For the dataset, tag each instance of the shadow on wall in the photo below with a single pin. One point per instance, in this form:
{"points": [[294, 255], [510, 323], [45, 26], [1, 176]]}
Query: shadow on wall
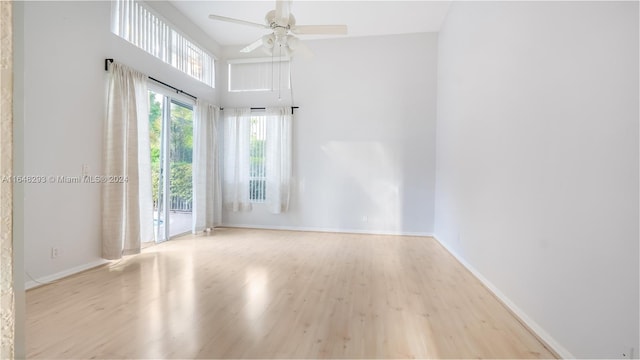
{"points": [[372, 180]]}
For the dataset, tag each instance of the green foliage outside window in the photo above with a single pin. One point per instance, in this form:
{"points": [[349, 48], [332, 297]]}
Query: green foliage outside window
{"points": [[180, 149]]}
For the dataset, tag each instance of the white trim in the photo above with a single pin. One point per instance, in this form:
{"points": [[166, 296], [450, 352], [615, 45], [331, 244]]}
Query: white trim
{"points": [[329, 230], [62, 274], [522, 316]]}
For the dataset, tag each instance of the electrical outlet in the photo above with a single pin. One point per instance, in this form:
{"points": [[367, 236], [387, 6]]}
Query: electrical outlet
{"points": [[54, 252], [628, 354], [365, 218]]}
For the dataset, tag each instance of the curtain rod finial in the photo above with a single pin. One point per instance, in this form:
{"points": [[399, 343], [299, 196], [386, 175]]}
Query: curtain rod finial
{"points": [[106, 64]]}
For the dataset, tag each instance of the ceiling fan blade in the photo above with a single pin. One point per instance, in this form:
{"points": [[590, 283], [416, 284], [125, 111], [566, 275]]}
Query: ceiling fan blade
{"points": [[237, 21], [283, 10], [319, 29], [254, 45]]}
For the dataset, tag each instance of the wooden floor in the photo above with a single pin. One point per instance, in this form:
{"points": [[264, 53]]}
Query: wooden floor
{"points": [[277, 294]]}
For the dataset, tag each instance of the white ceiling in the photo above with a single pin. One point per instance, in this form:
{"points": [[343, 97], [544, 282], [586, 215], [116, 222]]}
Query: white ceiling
{"points": [[364, 18]]}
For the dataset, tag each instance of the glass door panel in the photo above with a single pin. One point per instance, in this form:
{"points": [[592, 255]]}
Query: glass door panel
{"points": [[171, 141], [181, 168], [156, 140]]}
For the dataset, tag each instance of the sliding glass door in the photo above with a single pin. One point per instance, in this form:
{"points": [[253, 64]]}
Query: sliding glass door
{"points": [[171, 138]]}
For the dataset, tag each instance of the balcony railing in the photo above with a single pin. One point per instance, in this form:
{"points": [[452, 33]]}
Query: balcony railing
{"points": [[177, 203]]}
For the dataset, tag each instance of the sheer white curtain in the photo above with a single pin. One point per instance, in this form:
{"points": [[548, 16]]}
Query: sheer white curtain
{"points": [[237, 125], [207, 201], [127, 207], [278, 158]]}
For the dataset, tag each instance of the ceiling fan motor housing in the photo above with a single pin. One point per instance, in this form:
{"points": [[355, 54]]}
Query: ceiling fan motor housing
{"points": [[272, 21]]}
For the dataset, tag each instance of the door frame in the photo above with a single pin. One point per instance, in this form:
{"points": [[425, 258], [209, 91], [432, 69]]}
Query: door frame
{"points": [[164, 194]]}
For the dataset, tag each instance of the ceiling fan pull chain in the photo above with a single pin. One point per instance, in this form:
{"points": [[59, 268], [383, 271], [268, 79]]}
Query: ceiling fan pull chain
{"points": [[272, 70], [280, 72]]}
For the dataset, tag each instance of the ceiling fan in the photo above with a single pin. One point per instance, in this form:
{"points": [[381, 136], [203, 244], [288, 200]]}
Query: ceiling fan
{"points": [[283, 25]]}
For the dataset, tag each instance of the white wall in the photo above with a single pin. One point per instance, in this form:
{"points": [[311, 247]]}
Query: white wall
{"points": [[364, 136], [537, 163], [64, 83]]}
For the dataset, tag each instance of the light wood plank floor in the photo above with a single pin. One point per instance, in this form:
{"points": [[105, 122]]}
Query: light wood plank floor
{"points": [[277, 294]]}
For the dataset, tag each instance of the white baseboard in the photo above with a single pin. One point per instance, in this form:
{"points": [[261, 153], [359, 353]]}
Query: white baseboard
{"points": [[523, 317], [59, 275], [329, 230]]}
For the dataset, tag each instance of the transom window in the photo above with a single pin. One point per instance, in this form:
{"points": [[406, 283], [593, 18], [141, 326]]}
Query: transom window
{"points": [[259, 74], [136, 23]]}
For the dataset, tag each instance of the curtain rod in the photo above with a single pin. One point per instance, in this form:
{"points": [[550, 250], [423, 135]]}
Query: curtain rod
{"points": [[261, 108], [106, 68]]}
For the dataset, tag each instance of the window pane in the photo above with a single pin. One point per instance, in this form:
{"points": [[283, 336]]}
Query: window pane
{"points": [[181, 168]]}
